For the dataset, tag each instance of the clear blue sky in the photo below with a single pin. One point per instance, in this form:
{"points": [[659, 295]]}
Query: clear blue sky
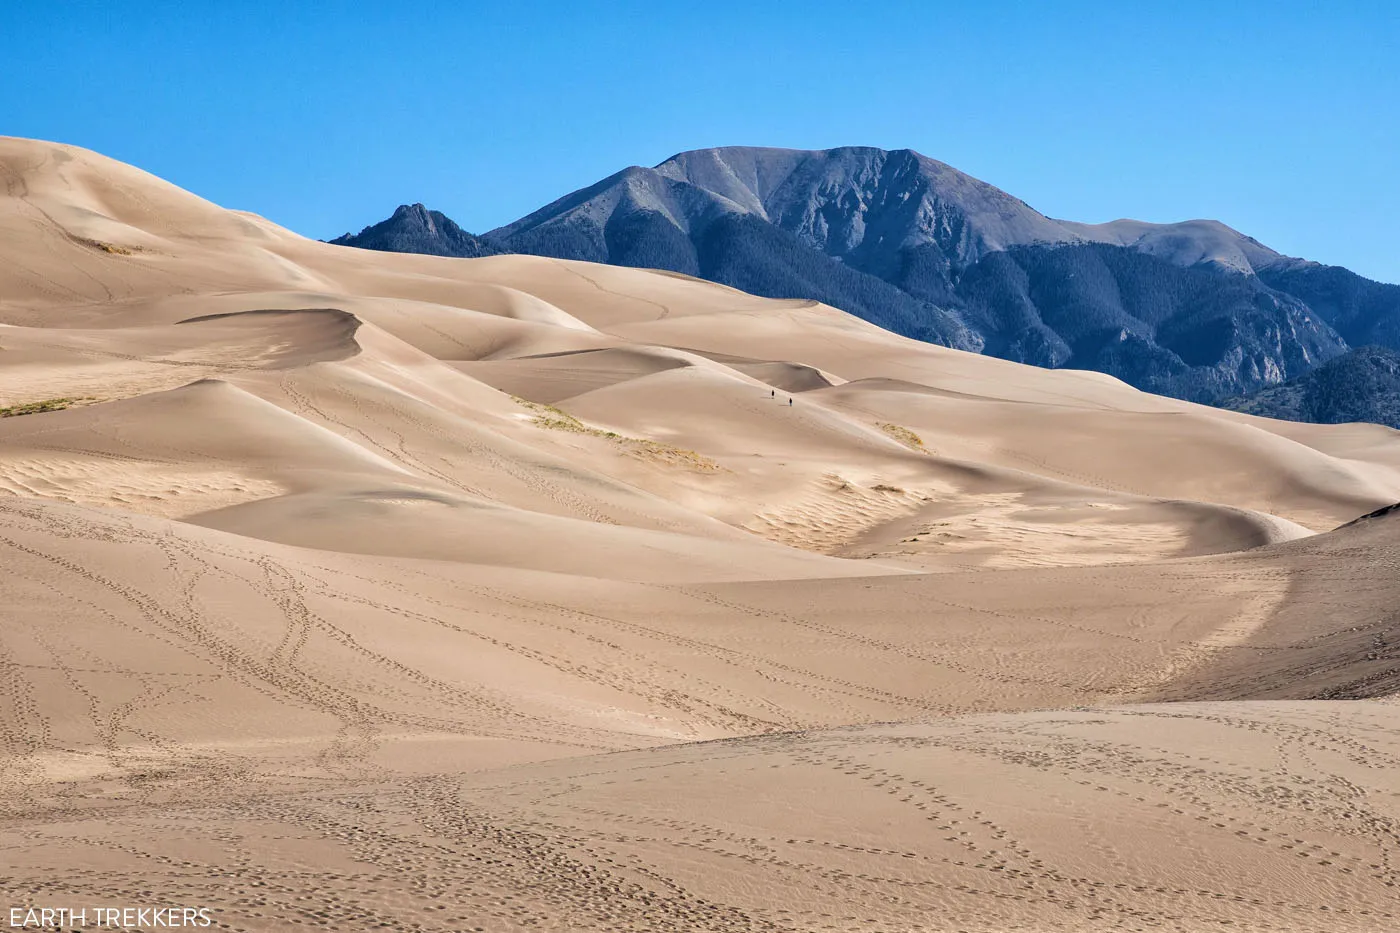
{"points": [[1280, 118]]}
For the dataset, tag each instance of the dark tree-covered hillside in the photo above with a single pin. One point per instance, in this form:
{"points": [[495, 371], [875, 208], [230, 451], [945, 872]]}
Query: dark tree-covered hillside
{"points": [[1363, 385], [1362, 311], [415, 229], [746, 253], [1195, 332]]}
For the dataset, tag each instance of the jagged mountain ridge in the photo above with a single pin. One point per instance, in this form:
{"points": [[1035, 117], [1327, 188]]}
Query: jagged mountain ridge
{"points": [[858, 203], [854, 203], [1196, 309]]}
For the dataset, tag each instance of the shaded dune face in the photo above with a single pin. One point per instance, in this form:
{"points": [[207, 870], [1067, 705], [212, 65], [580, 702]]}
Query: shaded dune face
{"points": [[367, 589]]}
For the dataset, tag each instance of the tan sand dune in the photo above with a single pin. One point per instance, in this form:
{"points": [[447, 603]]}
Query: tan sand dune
{"points": [[1185, 454], [116, 363], [813, 477], [775, 653], [785, 375], [1217, 823], [355, 590], [205, 445], [552, 377], [402, 521], [1345, 652]]}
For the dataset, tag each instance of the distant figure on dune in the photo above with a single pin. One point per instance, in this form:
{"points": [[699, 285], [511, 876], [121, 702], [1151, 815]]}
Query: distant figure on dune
{"points": [[773, 393], [789, 402]]}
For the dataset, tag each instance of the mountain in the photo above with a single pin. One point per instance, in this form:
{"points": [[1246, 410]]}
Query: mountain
{"points": [[888, 213], [1194, 332], [860, 205], [415, 229], [1362, 311], [1196, 310], [1363, 385]]}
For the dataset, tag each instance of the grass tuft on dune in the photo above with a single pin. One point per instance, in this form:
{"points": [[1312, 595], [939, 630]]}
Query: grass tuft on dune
{"points": [[905, 436], [36, 408], [556, 419]]}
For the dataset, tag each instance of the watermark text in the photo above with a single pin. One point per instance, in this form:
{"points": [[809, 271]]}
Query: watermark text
{"points": [[111, 918]]}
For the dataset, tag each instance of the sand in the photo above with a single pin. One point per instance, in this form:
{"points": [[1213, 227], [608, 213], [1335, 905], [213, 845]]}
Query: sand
{"points": [[354, 590]]}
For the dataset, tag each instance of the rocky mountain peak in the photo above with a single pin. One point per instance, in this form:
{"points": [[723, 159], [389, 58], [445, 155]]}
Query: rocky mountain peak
{"points": [[418, 215], [413, 228]]}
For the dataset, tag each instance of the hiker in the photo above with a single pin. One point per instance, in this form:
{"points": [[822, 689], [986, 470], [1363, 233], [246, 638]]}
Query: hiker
{"points": [[789, 402], [773, 393]]}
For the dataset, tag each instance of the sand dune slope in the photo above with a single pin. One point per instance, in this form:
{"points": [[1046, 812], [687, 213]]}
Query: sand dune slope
{"points": [[333, 702], [356, 590], [1238, 816], [1336, 635]]}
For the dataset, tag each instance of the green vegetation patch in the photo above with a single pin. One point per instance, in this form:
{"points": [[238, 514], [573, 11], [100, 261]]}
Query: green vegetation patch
{"points": [[48, 404], [666, 453], [35, 408], [556, 419], [905, 436]]}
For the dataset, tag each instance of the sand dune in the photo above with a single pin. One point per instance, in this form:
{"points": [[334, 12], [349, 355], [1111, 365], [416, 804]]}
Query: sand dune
{"points": [[362, 590], [552, 377], [1249, 816]]}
